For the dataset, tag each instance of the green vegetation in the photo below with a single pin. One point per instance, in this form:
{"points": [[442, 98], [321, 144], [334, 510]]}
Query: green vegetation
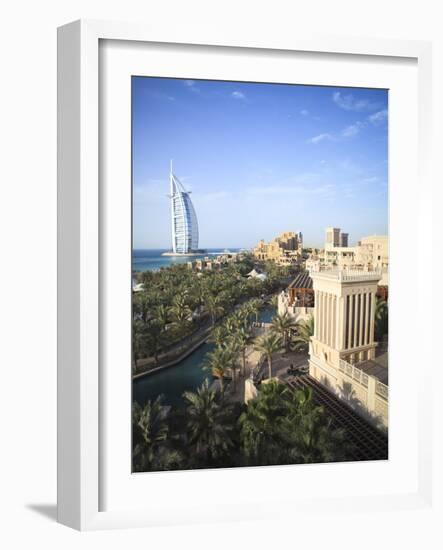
{"points": [[177, 303], [268, 344], [283, 325], [279, 426], [208, 427], [305, 329], [153, 449], [231, 337], [212, 428], [381, 319]]}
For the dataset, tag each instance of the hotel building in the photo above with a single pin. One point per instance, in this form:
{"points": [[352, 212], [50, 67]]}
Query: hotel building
{"points": [[183, 218]]}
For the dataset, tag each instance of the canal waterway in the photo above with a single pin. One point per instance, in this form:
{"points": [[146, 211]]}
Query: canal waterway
{"points": [[185, 376]]}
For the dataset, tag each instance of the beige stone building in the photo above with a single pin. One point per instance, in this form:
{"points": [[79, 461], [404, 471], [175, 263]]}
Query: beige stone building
{"points": [[286, 249], [370, 253], [373, 252], [343, 354]]}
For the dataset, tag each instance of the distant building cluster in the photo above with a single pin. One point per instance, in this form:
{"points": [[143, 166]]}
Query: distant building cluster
{"points": [[371, 253], [217, 262], [286, 249]]}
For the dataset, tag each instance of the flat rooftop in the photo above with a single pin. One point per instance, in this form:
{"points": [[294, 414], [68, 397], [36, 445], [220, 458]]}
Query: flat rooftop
{"points": [[377, 367]]}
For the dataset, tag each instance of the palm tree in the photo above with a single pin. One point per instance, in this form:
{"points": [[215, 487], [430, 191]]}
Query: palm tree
{"points": [[218, 335], [307, 431], [260, 425], [255, 307], [282, 324], [305, 329], [243, 338], [207, 426], [214, 307], [268, 344], [381, 318], [243, 314], [150, 433], [153, 338], [232, 350], [232, 324], [161, 315], [197, 297], [180, 312], [141, 305], [217, 363], [283, 426], [138, 341], [274, 301]]}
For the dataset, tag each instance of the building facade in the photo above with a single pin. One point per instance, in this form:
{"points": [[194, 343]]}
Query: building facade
{"points": [[371, 253], [332, 237], [286, 249], [344, 239], [183, 219], [343, 354]]}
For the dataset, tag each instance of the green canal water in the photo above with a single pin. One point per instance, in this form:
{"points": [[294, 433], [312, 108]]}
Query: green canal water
{"points": [[186, 375]]}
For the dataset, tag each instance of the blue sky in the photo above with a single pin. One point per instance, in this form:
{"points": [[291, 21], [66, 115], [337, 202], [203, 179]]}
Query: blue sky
{"points": [[259, 159]]}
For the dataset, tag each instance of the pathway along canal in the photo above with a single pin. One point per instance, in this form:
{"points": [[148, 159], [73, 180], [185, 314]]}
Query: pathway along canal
{"points": [[186, 375]]}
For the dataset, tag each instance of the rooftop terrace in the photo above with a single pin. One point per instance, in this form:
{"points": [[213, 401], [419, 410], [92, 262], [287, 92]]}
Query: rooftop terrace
{"points": [[347, 275]]}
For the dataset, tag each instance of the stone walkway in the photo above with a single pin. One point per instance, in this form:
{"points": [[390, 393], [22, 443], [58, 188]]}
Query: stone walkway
{"points": [[280, 364]]}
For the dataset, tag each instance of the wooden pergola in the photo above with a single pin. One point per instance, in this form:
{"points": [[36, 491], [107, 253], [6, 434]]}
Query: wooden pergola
{"points": [[300, 291]]}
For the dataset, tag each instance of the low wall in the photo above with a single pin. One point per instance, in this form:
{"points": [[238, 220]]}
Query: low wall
{"points": [[365, 394]]}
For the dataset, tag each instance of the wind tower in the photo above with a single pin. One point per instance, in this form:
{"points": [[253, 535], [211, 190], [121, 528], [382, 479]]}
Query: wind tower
{"points": [[342, 351]]}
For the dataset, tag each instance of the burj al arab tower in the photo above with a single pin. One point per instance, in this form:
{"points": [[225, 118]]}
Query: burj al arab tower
{"points": [[184, 219]]}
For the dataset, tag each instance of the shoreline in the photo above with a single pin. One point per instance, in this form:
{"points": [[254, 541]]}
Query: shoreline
{"points": [[189, 254], [173, 362]]}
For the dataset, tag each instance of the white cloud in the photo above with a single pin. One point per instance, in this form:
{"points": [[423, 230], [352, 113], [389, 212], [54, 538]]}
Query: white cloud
{"points": [[350, 131], [190, 84], [238, 95], [349, 103], [379, 117], [304, 112], [369, 180], [325, 190], [353, 129], [319, 138]]}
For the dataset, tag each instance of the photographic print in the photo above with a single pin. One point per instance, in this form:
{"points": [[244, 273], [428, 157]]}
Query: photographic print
{"points": [[260, 263]]}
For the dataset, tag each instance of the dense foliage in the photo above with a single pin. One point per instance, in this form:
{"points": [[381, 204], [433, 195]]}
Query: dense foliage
{"points": [[279, 426], [177, 302], [381, 319]]}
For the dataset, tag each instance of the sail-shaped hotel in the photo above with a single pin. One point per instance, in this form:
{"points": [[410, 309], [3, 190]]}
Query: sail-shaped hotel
{"points": [[183, 219]]}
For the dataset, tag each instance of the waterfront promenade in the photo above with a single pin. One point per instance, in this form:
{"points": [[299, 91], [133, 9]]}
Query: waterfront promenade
{"points": [[280, 364]]}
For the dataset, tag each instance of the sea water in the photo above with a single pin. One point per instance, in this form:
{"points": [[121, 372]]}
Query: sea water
{"points": [[152, 259]]}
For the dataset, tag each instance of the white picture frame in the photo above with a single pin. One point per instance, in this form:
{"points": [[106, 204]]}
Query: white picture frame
{"points": [[80, 411]]}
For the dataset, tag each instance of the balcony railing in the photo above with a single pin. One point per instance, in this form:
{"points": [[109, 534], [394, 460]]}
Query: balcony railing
{"points": [[347, 275], [381, 390], [354, 372]]}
